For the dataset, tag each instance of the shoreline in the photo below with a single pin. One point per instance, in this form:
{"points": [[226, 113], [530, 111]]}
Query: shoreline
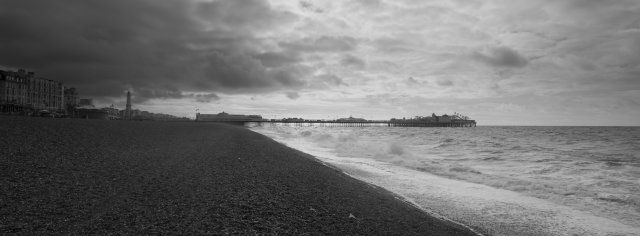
{"points": [[396, 195], [383, 190], [89, 176], [489, 210]]}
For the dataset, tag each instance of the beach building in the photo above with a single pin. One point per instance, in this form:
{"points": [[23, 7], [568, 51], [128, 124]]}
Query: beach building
{"points": [[21, 91]]}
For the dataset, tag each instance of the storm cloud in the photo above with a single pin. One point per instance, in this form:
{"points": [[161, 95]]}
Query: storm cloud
{"points": [[326, 57], [353, 62], [322, 44], [500, 57], [293, 95], [159, 48]]}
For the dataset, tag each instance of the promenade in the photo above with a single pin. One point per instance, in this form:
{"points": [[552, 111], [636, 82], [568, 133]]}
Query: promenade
{"points": [[71, 176]]}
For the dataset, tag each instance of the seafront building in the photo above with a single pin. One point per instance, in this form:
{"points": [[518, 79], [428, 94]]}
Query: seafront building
{"points": [[22, 91], [71, 100], [86, 102]]}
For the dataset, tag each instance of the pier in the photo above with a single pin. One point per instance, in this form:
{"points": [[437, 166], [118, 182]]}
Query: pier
{"points": [[455, 120], [335, 123], [365, 123]]}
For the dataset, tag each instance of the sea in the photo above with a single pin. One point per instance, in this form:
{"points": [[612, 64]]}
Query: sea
{"points": [[493, 180]]}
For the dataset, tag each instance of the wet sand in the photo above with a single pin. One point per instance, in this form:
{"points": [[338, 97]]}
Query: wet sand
{"points": [[61, 176]]}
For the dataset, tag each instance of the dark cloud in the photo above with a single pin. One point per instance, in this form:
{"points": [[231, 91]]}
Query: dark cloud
{"points": [[445, 83], [277, 59], [158, 48], [353, 62], [322, 44], [331, 79], [241, 15], [305, 4], [239, 73], [392, 45], [500, 57], [370, 3], [205, 98], [309, 6], [325, 81], [143, 94], [412, 81], [293, 95]]}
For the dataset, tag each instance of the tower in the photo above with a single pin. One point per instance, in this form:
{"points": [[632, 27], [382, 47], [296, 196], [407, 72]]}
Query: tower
{"points": [[127, 113]]}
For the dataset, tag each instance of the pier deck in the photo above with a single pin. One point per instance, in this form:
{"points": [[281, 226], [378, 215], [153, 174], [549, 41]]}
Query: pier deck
{"points": [[335, 123]]}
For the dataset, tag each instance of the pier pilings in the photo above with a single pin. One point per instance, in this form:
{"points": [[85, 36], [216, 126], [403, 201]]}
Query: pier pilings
{"points": [[320, 123]]}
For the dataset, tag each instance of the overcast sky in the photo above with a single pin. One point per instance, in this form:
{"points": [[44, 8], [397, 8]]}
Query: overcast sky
{"points": [[506, 62]]}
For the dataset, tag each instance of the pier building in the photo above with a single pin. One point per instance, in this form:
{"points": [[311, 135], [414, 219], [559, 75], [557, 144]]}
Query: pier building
{"points": [[229, 118], [256, 120]]}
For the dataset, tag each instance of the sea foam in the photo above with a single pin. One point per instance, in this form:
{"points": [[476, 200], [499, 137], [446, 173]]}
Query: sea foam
{"points": [[503, 180]]}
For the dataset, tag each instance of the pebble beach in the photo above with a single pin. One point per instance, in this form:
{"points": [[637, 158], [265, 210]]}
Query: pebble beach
{"points": [[70, 176]]}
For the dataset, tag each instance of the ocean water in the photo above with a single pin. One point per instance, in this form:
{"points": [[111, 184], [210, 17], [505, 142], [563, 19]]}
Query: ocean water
{"points": [[495, 180]]}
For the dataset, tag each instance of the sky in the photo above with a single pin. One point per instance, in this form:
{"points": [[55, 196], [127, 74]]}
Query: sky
{"points": [[500, 62]]}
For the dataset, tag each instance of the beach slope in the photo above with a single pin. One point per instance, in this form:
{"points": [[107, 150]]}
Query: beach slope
{"points": [[61, 176]]}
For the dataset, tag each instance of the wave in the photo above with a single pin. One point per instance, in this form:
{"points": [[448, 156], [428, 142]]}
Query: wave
{"points": [[596, 179]]}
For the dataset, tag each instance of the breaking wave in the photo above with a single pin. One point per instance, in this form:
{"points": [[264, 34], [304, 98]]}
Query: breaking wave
{"points": [[595, 170]]}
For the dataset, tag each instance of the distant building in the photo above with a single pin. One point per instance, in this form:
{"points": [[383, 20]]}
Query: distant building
{"points": [[131, 114], [127, 112], [145, 115], [13, 88], [430, 119], [425, 118], [71, 100], [135, 112], [91, 113], [112, 113], [444, 119], [86, 102], [351, 119], [223, 116], [293, 119], [21, 91]]}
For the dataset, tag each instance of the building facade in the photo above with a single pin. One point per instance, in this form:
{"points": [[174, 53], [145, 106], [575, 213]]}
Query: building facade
{"points": [[71, 100], [86, 102], [13, 88], [21, 91]]}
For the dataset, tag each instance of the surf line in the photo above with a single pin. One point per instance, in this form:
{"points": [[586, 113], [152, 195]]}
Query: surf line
{"points": [[398, 196], [402, 198]]}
